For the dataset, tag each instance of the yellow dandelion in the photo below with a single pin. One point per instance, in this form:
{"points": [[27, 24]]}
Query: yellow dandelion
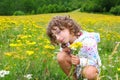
{"points": [[49, 47], [30, 43], [29, 52], [23, 36], [8, 54], [118, 69], [15, 45], [18, 41], [20, 44], [76, 45]]}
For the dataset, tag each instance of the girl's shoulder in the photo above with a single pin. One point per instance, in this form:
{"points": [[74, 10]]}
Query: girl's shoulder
{"points": [[88, 35]]}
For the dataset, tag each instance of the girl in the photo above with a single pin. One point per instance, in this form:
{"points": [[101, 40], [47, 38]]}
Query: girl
{"points": [[63, 31]]}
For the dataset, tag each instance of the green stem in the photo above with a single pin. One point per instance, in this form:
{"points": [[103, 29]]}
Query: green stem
{"points": [[70, 75]]}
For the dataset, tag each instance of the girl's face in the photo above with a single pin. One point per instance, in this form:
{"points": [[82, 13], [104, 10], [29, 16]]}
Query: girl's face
{"points": [[62, 36]]}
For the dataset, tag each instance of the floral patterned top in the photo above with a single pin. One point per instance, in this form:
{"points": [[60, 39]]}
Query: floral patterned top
{"points": [[88, 54]]}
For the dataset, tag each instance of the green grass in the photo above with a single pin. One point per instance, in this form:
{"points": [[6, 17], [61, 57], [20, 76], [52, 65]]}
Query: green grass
{"points": [[29, 34]]}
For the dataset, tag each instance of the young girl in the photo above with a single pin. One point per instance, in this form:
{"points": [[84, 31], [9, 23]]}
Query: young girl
{"points": [[63, 31]]}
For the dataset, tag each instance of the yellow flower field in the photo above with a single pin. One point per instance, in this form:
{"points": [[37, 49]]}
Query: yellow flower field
{"points": [[25, 48]]}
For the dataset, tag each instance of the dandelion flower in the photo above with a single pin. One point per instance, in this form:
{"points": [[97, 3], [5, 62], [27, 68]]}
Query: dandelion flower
{"points": [[118, 69], [30, 52], [8, 54], [76, 45], [49, 47]]}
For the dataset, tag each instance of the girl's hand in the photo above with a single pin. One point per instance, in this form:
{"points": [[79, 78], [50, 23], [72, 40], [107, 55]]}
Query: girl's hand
{"points": [[67, 50], [75, 60]]}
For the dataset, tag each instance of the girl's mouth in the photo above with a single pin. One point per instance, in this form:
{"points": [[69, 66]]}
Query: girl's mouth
{"points": [[62, 40]]}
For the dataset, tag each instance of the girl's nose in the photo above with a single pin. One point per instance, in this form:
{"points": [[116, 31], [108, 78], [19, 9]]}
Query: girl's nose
{"points": [[58, 38]]}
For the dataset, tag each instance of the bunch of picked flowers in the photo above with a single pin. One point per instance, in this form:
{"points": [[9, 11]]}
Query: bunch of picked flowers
{"points": [[75, 47]]}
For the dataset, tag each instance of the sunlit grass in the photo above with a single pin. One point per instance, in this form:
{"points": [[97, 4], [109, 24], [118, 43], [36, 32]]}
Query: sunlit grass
{"points": [[25, 48]]}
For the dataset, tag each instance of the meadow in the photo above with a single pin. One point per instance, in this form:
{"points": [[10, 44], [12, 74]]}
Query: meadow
{"points": [[26, 52]]}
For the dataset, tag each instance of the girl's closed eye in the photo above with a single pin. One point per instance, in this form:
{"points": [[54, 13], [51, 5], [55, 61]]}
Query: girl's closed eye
{"points": [[58, 32]]}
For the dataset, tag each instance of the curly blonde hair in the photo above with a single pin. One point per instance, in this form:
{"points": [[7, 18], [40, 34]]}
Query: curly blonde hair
{"points": [[62, 22]]}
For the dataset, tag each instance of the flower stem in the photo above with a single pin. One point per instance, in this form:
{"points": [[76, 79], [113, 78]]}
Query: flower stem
{"points": [[71, 73]]}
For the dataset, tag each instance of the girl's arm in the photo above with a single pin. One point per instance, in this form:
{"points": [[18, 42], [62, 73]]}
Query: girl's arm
{"points": [[82, 61]]}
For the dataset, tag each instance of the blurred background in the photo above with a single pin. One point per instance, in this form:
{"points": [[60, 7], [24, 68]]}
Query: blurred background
{"points": [[23, 7]]}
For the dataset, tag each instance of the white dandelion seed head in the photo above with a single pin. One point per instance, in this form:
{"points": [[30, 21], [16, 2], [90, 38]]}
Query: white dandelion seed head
{"points": [[103, 67], [3, 73], [28, 76]]}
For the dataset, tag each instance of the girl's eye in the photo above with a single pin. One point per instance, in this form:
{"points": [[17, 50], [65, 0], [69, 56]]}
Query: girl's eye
{"points": [[58, 32]]}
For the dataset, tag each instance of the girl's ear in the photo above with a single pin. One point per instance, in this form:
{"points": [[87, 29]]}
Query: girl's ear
{"points": [[72, 33], [79, 33]]}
